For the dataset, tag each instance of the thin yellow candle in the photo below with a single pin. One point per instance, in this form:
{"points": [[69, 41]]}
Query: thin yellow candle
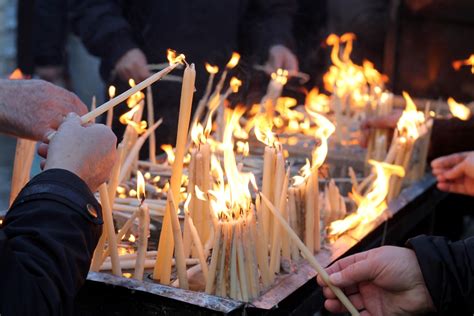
{"points": [[162, 269]]}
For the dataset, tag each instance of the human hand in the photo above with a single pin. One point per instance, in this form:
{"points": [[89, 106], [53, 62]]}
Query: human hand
{"points": [[280, 56], [133, 65], [381, 281], [87, 151], [455, 173], [33, 108], [383, 122]]}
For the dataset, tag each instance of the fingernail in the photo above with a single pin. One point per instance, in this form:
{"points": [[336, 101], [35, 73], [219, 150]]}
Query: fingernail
{"points": [[335, 277]]}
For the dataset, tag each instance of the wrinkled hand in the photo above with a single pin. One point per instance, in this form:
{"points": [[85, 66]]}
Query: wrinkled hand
{"points": [[382, 122], [280, 56], [381, 281], [87, 151], [33, 108], [133, 65], [455, 173]]}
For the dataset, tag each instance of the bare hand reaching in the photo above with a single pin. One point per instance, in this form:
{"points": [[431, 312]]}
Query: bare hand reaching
{"points": [[133, 65], [381, 281], [87, 151], [455, 173], [33, 108], [280, 56]]}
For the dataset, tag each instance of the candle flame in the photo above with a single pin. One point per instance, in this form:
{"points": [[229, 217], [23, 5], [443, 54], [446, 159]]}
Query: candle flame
{"points": [[199, 194], [411, 119], [372, 204], [131, 238], [112, 91], [231, 200], [235, 83], [127, 119], [140, 187], [280, 76], [234, 60], [457, 64], [459, 110], [173, 59], [303, 174], [168, 149], [317, 102], [323, 132], [263, 131], [16, 75], [212, 69]]}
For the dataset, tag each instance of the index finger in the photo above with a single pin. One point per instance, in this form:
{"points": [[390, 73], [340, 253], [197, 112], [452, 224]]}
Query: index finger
{"points": [[448, 161]]}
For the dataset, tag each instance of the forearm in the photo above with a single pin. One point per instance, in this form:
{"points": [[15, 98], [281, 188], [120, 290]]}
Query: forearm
{"points": [[448, 271], [49, 236]]}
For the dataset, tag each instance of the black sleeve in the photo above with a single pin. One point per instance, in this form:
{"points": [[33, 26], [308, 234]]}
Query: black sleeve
{"points": [[46, 245], [448, 271], [102, 27], [276, 22], [50, 32]]}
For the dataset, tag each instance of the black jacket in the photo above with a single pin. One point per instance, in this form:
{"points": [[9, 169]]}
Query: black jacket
{"points": [[205, 30], [46, 245], [448, 271]]}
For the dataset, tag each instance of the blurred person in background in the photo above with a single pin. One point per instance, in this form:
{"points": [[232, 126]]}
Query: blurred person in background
{"points": [[59, 56], [128, 36]]}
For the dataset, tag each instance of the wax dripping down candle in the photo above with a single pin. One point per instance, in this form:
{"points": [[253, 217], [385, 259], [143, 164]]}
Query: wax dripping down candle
{"points": [[143, 228], [233, 214]]}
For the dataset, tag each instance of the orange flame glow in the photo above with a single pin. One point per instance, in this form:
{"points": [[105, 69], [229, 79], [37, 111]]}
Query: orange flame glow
{"points": [[459, 110], [127, 119], [280, 76], [16, 75], [372, 204], [234, 60], [457, 64], [317, 102], [168, 149], [263, 130], [140, 186], [212, 69], [173, 59], [112, 91], [235, 84], [411, 119]]}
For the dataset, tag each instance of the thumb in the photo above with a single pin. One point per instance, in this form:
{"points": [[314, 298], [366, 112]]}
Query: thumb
{"points": [[353, 274], [71, 120]]}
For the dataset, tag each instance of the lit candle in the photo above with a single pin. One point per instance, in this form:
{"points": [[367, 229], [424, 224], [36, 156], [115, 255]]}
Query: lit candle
{"points": [[143, 228], [162, 269]]}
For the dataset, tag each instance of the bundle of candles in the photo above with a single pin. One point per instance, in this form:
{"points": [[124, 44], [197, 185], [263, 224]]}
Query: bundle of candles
{"points": [[235, 236]]}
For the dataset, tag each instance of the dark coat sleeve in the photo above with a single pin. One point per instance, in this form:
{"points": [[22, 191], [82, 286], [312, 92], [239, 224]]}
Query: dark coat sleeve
{"points": [[46, 245], [102, 27], [50, 32], [276, 23], [448, 271]]}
